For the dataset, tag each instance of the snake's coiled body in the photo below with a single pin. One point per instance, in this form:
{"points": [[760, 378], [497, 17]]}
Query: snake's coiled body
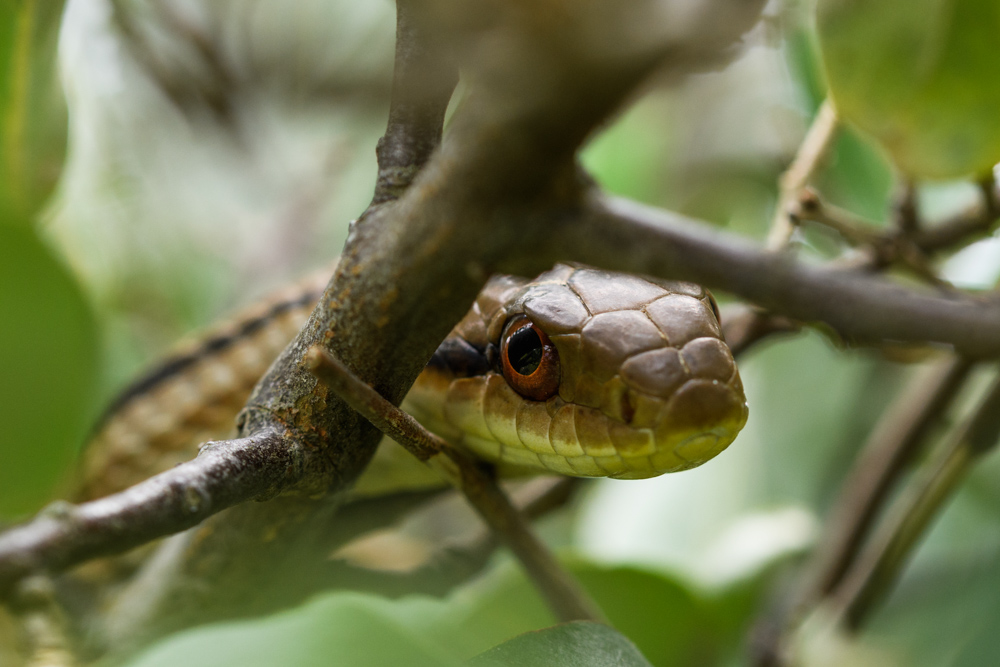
{"points": [[642, 383]]}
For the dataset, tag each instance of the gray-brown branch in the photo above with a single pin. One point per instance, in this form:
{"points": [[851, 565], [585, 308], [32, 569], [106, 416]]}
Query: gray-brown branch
{"points": [[224, 474], [622, 235], [424, 77]]}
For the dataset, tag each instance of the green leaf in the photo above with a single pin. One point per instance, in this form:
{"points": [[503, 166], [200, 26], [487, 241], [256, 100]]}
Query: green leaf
{"points": [[667, 620], [340, 629], [48, 365], [32, 107], [631, 157], [920, 76], [579, 644]]}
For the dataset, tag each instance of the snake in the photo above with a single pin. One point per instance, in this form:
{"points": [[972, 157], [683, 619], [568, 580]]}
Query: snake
{"points": [[579, 371]]}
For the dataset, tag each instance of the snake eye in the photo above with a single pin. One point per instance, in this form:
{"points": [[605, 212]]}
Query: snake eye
{"points": [[529, 359]]}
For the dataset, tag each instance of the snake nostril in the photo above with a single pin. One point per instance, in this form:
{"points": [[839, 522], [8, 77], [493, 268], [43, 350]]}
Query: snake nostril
{"points": [[627, 409]]}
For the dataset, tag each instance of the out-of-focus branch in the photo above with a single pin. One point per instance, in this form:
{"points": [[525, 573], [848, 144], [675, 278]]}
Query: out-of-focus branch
{"points": [[895, 442], [861, 307], [810, 207], [454, 563], [810, 156], [423, 80], [564, 595], [879, 565], [756, 324], [976, 222], [925, 238], [745, 326], [911, 244], [892, 447], [212, 89], [224, 474]]}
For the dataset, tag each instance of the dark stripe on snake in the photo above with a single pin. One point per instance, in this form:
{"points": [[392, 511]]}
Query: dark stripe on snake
{"points": [[460, 358], [176, 365]]}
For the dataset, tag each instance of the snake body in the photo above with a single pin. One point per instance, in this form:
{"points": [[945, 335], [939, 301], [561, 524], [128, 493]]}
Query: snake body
{"points": [[578, 372]]}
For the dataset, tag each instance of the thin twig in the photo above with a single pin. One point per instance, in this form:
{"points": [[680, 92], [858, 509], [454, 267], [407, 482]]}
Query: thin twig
{"points": [[809, 157], [224, 474], [745, 326], [880, 564], [809, 206], [895, 247], [759, 324], [910, 244], [976, 222], [423, 80], [563, 594]]}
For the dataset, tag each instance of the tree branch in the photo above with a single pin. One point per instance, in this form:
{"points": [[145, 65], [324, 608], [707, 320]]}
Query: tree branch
{"points": [[626, 236], [224, 474], [961, 229], [423, 80], [745, 326], [810, 156], [891, 448]]}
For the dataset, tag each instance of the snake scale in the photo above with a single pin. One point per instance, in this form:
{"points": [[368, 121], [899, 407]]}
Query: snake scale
{"points": [[578, 372]]}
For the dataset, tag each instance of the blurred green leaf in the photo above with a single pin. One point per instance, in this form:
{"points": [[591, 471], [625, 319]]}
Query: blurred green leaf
{"points": [[802, 54], [32, 108], [669, 622], [340, 629], [579, 644], [919, 75], [858, 176], [48, 364], [629, 158]]}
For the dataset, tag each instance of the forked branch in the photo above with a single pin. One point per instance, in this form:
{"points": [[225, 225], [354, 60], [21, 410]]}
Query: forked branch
{"points": [[224, 474], [564, 595]]}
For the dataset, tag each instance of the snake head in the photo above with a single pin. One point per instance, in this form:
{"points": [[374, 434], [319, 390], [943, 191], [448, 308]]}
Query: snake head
{"points": [[644, 382]]}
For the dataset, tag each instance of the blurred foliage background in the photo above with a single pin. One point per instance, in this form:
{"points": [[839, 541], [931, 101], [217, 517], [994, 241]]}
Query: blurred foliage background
{"points": [[218, 150]]}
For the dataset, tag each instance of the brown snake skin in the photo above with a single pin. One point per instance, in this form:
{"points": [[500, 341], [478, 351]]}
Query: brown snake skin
{"points": [[646, 385]]}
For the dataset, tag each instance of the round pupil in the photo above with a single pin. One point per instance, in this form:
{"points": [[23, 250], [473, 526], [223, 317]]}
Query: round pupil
{"points": [[524, 350]]}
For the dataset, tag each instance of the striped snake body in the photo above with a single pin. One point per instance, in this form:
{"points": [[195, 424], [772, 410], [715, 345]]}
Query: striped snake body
{"points": [[578, 372]]}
